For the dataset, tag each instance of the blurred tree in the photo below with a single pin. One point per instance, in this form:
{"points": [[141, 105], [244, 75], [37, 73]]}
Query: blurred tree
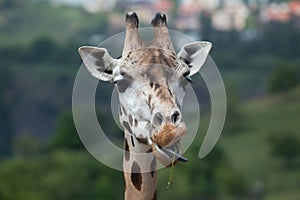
{"points": [[283, 79], [286, 147], [6, 107], [26, 145], [66, 136], [234, 115], [231, 181], [206, 23], [210, 178], [67, 53], [61, 175], [225, 177], [6, 4], [42, 49], [11, 54]]}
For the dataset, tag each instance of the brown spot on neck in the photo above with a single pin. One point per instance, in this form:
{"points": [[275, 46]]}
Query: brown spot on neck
{"points": [[136, 176], [154, 195], [132, 142], [127, 153], [126, 126]]}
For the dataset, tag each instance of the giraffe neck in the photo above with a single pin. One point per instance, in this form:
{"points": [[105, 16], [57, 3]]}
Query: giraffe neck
{"points": [[138, 186]]}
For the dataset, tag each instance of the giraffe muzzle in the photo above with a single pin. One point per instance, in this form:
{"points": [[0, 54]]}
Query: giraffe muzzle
{"points": [[166, 143], [167, 155]]}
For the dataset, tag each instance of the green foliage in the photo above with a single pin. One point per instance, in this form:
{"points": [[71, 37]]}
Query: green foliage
{"points": [[283, 79], [62, 175], [66, 136], [234, 114], [210, 178], [251, 151], [21, 25], [43, 48], [286, 147], [4, 4], [27, 146], [7, 96], [232, 182], [19, 179], [39, 44]]}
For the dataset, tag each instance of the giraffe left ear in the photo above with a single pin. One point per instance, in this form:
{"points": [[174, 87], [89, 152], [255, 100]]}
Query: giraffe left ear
{"points": [[98, 62], [194, 55]]}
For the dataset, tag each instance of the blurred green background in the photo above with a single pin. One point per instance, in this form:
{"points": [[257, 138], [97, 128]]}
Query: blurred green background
{"points": [[256, 47]]}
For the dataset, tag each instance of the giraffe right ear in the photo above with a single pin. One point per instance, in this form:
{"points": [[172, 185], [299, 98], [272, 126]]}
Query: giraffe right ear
{"points": [[98, 62], [194, 55]]}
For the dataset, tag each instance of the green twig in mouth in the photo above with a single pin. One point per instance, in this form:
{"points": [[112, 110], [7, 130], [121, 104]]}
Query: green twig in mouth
{"points": [[171, 171]]}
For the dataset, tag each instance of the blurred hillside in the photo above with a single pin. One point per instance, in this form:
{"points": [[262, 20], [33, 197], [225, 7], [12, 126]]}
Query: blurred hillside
{"points": [[39, 41], [255, 49]]}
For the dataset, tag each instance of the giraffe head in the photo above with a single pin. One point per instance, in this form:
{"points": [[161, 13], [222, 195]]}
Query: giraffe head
{"points": [[151, 80]]}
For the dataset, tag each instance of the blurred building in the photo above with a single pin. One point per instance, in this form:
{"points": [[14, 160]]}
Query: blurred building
{"points": [[231, 16], [280, 12], [186, 15], [146, 9], [92, 6]]}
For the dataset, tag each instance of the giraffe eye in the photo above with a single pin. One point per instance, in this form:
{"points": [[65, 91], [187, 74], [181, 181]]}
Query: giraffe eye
{"points": [[115, 81], [122, 73], [123, 81], [119, 77]]}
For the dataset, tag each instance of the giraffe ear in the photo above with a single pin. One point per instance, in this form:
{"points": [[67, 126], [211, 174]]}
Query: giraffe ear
{"points": [[98, 62], [194, 55]]}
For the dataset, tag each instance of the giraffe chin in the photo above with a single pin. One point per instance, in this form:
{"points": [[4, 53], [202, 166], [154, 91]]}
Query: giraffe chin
{"points": [[168, 156]]}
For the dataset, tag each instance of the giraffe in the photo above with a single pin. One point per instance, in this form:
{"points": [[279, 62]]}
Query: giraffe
{"points": [[151, 80]]}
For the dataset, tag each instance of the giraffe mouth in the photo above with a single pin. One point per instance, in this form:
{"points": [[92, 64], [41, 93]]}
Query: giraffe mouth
{"points": [[168, 155], [173, 152]]}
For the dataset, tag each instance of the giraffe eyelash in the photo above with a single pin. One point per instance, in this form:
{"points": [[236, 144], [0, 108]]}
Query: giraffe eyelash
{"points": [[187, 77], [182, 66]]}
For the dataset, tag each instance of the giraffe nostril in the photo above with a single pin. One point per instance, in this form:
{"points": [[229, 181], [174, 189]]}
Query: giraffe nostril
{"points": [[158, 119], [175, 117]]}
